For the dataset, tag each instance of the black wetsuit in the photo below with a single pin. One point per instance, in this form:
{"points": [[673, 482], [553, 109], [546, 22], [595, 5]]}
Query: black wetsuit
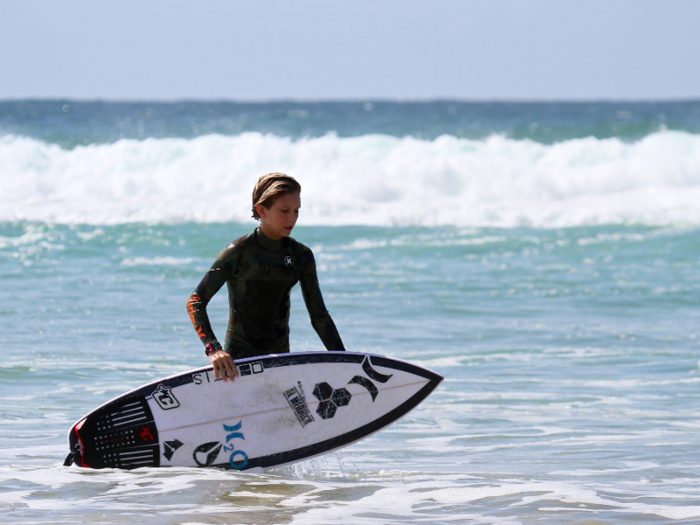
{"points": [[260, 274]]}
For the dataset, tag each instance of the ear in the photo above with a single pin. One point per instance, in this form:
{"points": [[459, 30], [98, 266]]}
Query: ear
{"points": [[262, 210]]}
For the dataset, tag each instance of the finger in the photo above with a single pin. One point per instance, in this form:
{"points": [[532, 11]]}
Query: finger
{"points": [[223, 368], [231, 371], [215, 365]]}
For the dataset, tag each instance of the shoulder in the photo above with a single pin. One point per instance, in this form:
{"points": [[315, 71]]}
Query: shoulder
{"points": [[236, 248]]}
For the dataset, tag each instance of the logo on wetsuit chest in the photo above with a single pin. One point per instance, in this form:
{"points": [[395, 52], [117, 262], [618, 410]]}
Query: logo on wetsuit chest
{"points": [[289, 261]]}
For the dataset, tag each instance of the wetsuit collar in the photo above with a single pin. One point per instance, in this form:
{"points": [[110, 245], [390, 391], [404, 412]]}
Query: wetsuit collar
{"points": [[265, 242]]}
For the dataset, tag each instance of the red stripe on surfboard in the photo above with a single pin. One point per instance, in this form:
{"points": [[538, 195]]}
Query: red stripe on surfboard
{"points": [[78, 426]]}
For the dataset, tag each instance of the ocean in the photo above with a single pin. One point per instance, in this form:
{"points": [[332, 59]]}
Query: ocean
{"points": [[543, 257]]}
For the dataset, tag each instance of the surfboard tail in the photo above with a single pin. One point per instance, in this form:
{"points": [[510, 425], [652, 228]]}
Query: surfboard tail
{"points": [[123, 436], [76, 447]]}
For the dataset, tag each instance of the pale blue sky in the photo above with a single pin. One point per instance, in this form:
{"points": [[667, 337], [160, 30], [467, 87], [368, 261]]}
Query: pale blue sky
{"points": [[354, 49]]}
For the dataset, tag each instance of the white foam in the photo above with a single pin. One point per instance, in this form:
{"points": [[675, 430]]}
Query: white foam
{"points": [[388, 496], [159, 261], [372, 180], [424, 501]]}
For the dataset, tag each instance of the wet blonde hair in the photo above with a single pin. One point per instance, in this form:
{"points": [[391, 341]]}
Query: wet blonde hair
{"points": [[270, 187]]}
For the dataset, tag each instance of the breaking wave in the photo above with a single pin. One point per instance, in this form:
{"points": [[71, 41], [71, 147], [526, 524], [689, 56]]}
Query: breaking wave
{"points": [[368, 180]]}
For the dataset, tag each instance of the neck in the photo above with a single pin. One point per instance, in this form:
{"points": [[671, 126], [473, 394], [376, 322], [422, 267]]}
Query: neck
{"points": [[268, 234], [266, 242]]}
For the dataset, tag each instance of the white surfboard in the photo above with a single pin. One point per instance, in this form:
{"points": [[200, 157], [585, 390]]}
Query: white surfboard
{"points": [[282, 409]]}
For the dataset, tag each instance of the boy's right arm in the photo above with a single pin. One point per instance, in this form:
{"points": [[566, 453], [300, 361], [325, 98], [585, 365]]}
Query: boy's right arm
{"points": [[212, 282]]}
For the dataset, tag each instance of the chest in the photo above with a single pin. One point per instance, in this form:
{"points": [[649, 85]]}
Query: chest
{"points": [[284, 267]]}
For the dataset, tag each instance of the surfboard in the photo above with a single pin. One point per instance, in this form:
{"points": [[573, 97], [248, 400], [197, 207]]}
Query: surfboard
{"points": [[282, 409]]}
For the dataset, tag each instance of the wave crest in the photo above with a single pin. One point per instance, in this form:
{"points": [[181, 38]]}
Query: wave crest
{"points": [[370, 180]]}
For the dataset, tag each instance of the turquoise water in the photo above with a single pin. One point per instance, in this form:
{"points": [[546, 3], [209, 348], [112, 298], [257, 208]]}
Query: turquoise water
{"points": [[570, 357], [542, 257]]}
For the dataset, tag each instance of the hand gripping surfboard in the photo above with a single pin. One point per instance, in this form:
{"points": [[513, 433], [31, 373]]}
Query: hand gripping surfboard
{"points": [[282, 409]]}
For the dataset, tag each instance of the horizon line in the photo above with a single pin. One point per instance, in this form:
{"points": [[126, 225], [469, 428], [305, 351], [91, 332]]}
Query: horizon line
{"points": [[322, 100]]}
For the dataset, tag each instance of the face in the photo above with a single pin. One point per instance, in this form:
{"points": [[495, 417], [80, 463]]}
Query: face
{"points": [[278, 220]]}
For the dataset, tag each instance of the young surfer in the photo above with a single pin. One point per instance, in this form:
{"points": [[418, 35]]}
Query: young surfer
{"points": [[260, 270]]}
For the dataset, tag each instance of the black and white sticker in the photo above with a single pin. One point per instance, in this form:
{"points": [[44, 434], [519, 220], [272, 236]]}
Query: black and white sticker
{"points": [[246, 369], [169, 448], [206, 453], [298, 404], [165, 398]]}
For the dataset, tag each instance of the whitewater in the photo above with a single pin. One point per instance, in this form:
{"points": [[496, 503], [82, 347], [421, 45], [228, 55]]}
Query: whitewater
{"points": [[368, 180]]}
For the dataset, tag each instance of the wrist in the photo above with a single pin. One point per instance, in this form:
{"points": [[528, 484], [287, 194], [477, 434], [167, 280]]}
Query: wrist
{"points": [[212, 348]]}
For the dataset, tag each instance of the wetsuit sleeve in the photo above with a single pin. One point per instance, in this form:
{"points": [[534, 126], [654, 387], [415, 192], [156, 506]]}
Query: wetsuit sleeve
{"points": [[320, 318], [218, 274]]}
